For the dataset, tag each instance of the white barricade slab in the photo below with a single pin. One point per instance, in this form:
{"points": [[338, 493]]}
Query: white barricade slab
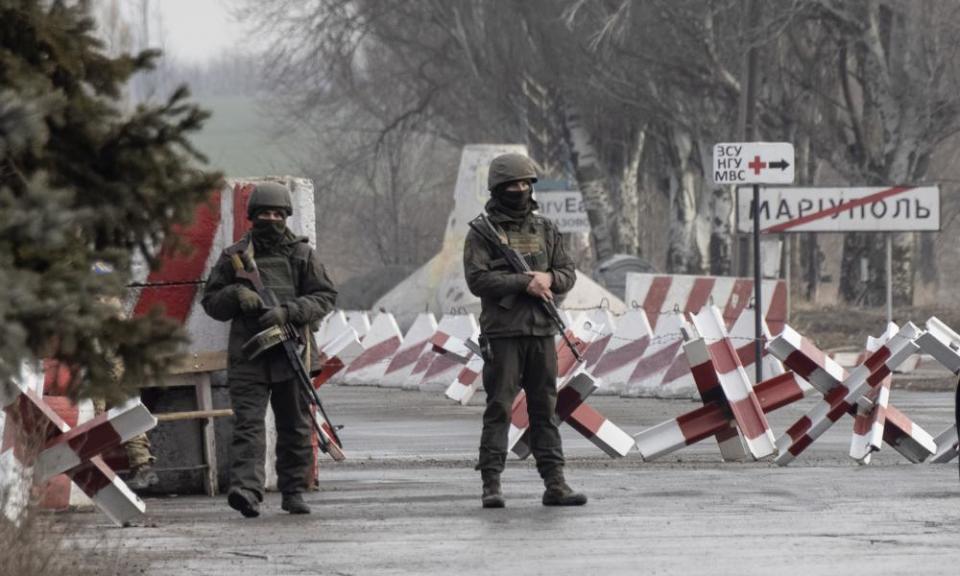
{"points": [[381, 343], [415, 343]]}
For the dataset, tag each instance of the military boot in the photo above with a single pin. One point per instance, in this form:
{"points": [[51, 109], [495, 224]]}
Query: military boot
{"points": [[492, 497], [244, 501], [558, 493], [294, 504], [142, 477]]}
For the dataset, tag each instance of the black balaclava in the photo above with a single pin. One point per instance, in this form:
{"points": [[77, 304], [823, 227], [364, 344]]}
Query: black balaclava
{"points": [[268, 234], [514, 204]]}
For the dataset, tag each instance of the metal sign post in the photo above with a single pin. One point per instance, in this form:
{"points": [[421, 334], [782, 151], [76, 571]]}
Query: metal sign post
{"points": [[754, 163]]}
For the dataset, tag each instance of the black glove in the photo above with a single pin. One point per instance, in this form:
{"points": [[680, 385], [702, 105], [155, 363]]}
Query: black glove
{"points": [[276, 316], [250, 301]]}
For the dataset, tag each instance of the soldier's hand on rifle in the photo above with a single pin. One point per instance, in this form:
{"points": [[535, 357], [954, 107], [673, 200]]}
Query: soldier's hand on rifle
{"points": [[250, 301], [539, 285], [276, 316]]}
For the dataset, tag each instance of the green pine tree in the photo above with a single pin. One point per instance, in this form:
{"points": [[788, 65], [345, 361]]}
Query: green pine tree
{"points": [[82, 181]]}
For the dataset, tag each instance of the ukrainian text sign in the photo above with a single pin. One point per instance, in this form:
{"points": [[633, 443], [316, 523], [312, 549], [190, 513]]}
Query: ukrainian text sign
{"points": [[895, 209]]}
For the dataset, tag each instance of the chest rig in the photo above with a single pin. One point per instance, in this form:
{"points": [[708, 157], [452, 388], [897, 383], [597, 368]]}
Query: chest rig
{"points": [[276, 273], [529, 239]]}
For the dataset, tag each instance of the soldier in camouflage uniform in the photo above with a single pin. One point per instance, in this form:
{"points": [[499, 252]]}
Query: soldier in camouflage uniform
{"points": [[519, 351], [291, 269]]}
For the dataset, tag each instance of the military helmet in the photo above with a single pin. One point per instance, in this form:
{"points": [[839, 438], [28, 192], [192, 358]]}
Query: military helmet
{"points": [[510, 168], [269, 195]]}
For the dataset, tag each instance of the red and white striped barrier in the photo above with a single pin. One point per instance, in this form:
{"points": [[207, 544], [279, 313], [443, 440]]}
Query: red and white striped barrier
{"points": [[108, 430], [443, 368], [468, 381], [174, 286], [679, 380], [415, 343], [594, 426], [736, 385], [380, 344], [603, 322], [800, 354], [338, 353], [28, 413], [870, 422], [844, 396], [658, 357], [659, 294], [715, 418], [626, 348]]}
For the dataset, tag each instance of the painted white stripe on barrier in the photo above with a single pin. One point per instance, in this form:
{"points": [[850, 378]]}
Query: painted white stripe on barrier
{"points": [[380, 344]]}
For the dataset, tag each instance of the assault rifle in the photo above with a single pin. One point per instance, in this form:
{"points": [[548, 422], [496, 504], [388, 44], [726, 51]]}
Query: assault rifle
{"points": [[245, 268], [485, 228]]}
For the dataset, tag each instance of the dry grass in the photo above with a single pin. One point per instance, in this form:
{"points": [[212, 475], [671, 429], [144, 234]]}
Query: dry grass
{"points": [[836, 328], [34, 542]]}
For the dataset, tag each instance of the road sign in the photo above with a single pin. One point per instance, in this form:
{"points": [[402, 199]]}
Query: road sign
{"points": [[894, 209], [753, 163], [565, 208]]}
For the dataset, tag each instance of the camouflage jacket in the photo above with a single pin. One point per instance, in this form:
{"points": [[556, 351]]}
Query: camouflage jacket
{"points": [[506, 308], [296, 276]]}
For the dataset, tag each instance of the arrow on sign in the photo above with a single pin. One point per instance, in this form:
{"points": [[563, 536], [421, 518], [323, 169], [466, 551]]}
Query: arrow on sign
{"points": [[781, 164]]}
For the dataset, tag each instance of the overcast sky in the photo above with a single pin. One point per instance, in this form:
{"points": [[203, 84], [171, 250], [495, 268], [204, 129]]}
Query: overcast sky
{"points": [[197, 30]]}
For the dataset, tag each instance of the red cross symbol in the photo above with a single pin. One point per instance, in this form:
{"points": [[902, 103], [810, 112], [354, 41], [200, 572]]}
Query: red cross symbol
{"points": [[756, 165]]}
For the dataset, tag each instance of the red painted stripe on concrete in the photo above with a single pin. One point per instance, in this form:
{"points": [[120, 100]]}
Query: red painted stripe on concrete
{"points": [[620, 357], [377, 353], [655, 362], [406, 357], [678, 369], [699, 294], [595, 351], [330, 367], [776, 312], [176, 301], [441, 363], [656, 296], [241, 196]]}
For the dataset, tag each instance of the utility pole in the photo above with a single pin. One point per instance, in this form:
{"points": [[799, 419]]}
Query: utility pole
{"points": [[748, 104]]}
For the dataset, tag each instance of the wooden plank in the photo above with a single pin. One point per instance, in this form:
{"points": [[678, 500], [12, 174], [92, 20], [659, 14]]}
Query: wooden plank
{"points": [[205, 403], [200, 362]]}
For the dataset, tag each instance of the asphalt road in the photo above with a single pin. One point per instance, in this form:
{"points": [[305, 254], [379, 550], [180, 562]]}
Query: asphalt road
{"points": [[407, 502]]}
